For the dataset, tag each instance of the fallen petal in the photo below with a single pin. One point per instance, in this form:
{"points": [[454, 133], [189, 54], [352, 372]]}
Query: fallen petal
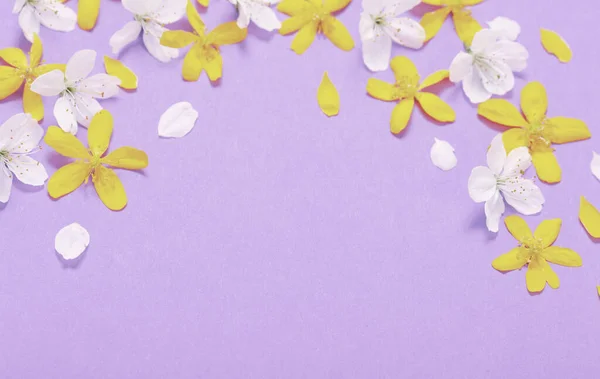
{"points": [[71, 241], [556, 45], [328, 97], [177, 121], [129, 79], [589, 217], [442, 155]]}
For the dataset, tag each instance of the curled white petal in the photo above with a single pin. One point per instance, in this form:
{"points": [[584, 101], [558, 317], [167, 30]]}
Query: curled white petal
{"points": [[595, 165], [71, 241], [177, 121], [442, 155]]}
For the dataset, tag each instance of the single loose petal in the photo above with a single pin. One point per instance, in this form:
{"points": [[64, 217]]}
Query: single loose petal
{"points": [[401, 115], [68, 178], [566, 129], [534, 102], [71, 241], [547, 231], [435, 107], [109, 188], [562, 256], [501, 112], [117, 69], [518, 228], [127, 157], [177, 121], [556, 45], [442, 155], [87, 13], [328, 97], [589, 217], [595, 165], [546, 166], [513, 260]]}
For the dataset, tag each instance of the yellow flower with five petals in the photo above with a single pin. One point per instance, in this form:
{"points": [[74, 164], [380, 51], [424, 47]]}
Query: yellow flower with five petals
{"points": [[536, 250], [406, 90], [464, 23], [310, 17], [204, 53], [535, 130], [91, 162], [21, 71]]}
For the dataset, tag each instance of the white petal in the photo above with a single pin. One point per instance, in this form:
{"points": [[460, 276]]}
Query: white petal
{"points": [[101, 86], [505, 28], [406, 32], [264, 17], [50, 84], [374, 6], [461, 67], [162, 53], [20, 134], [474, 89], [517, 162], [595, 165], [483, 39], [64, 112], [523, 195], [6, 179], [126, 35], [86, 108], [511, 53], [482, 184], [243, 19], [29, 23], [80, 65], [178, 120], [170, 11], [71, 241], [141, 7], [377, 52], [56, 16], [496, 155], [19, 4], [496, 77], [366, 26], [494, 209], [27, 170], [442, 155]]}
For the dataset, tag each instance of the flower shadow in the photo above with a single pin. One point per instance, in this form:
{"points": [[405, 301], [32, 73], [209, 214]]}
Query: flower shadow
{"points": [[71, 264]]}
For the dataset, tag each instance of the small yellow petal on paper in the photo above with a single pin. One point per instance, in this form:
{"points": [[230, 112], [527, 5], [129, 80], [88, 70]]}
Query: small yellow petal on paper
{"points": [[518, 228], [177, 38], [109, 188], [304, 38], [466, 26], [555, 44], [328, 97], [403, 68], [36, 51], [338, 34], [68, 178], [14, 57], [381, 90], [513, 260], [562, 256], [434, 78], [32, 103], [128, 158], [65, 143], [87, 13], [513, 138], [433, 21], [192, 64], [547, 231], [565, 129], [227, 34], [534, 102], [194, 17], [115, 68], [100, 131], [589, 217], [401, 115], [501, 112], [546, 166], [435, 107]]}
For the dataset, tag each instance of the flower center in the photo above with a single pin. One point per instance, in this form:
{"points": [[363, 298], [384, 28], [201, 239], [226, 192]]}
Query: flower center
{"points": [[537, 135], [406, 87], [531, 247], [27, 74]]}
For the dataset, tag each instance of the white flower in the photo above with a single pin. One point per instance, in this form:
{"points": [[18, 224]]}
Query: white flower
{"points": [[178, 120], [442, 155], [503, 180], [487, 67], [71, 241], [380, 25], [19, 137], [50, 13], [257, 11], [78, 93], [150, 16]]}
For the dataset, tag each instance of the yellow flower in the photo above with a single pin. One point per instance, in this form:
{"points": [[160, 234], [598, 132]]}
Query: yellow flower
{"points": [[535, 131], [311, 17], [466, 26], [535, 251], [20, 70], [91, 162], [406, 90], [204, 54]]}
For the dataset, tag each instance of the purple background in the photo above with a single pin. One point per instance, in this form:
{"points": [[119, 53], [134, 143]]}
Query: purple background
{"points": [[273, 242]]}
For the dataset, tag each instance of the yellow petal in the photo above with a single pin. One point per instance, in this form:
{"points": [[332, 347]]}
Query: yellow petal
{"points": [[562, 256], [403, 68], [291, 7], [204, 3], [501, 112], [192, 63], [10, 81], [555, 44], [65, 143], [128, 158], [213, 64], [177, 38], [538, 273], [68, 178], [36, 51], [546, 166], [513, 138], [100, 131], [335, 5], [589, 217], [338, 34], [513, 260], [194, 17], [46, 68], [534, 102], [32, 103], [466, 26], [115, 68], [296, 23], [109, 188], [227, 33], [565, 129], [434, 78], [304, 38], [381, 90], [14, 57], [433, 21], [328, 97], [401, 115], [518, 228], [87, 13], [435, 107], [547, 231]]}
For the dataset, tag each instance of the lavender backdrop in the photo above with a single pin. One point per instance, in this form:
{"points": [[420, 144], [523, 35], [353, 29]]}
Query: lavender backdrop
{"points": [[273, 242]]}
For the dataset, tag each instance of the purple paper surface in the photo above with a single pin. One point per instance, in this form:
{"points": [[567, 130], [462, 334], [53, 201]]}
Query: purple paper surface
{"points": [[274, 242]]}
